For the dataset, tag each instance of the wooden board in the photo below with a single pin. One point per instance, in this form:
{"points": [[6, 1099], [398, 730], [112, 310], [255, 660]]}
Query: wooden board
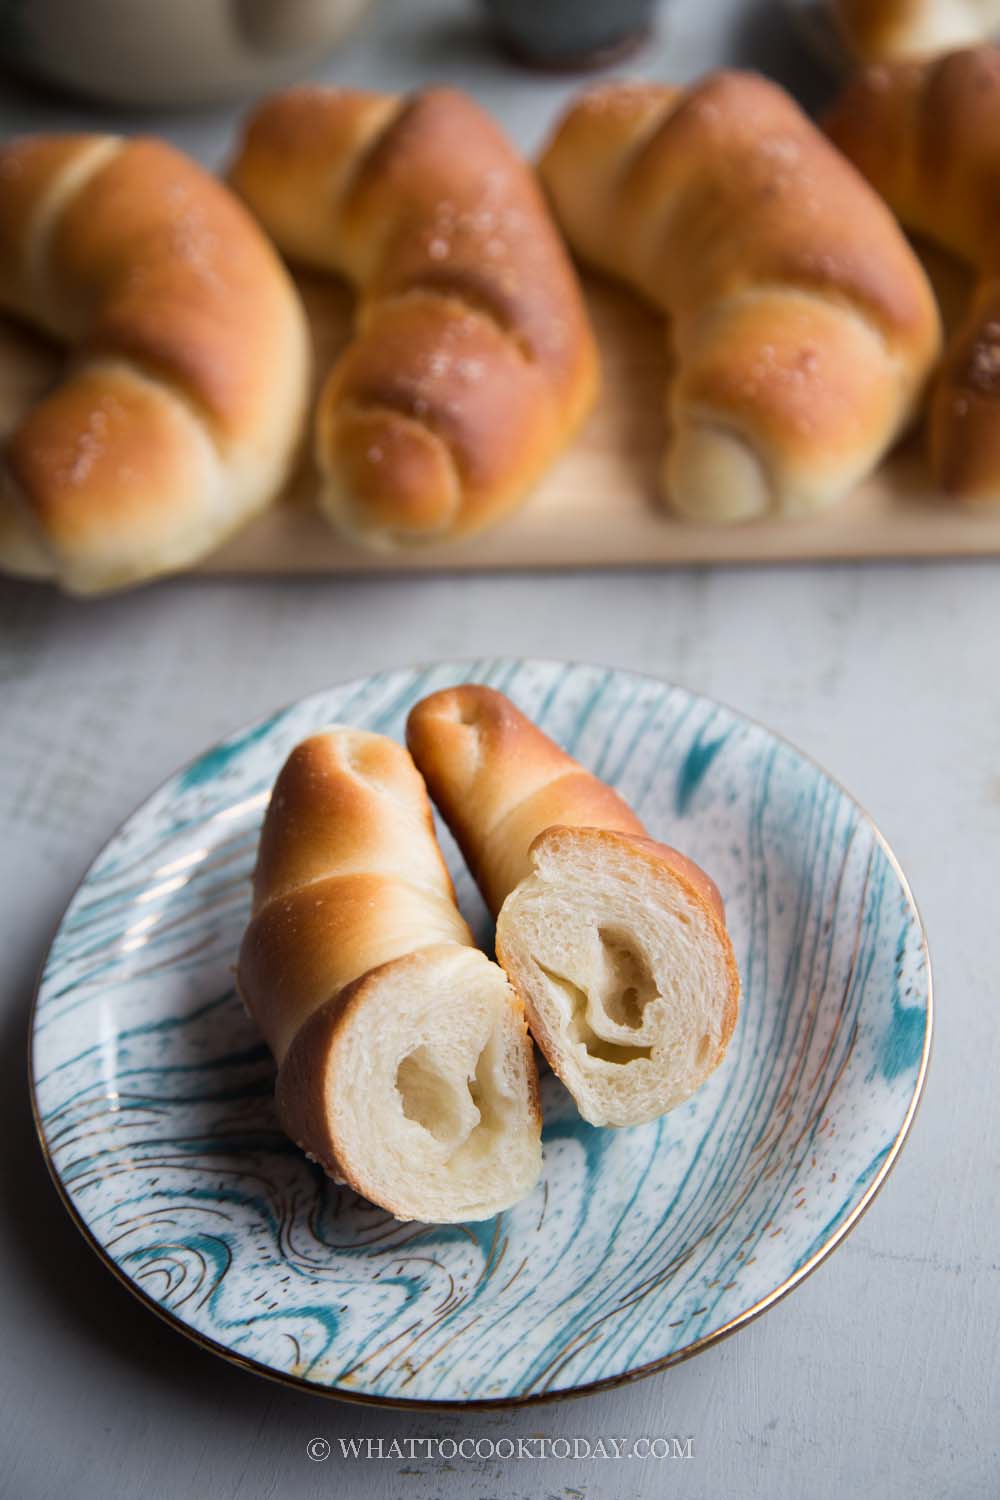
{"points": [[599, 505]]}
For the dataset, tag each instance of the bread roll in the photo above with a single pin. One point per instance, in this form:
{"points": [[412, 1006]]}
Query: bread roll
{"points": [[802, 324], [927, 136], [404, 1063], [616, 944], [473, 361], [893, 30], [179, 411]]}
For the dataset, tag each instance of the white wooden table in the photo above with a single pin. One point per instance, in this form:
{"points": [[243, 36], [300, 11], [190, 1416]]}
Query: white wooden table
{"points": [[879, 1376]]}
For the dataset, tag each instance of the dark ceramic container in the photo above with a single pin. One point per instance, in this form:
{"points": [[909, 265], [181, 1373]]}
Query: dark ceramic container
{"points": [[568, 34]]}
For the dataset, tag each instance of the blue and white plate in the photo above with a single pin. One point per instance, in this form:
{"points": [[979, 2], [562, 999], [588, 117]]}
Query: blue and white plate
{"points": [[638, 1247]]}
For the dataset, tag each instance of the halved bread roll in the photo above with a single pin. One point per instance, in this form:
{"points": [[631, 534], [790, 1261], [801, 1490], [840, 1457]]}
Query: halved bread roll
{"points": [[616, 944], [404, 1064]]}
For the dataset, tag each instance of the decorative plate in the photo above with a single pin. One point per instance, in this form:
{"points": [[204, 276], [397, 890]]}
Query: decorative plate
{"points": [[638, 1247]]}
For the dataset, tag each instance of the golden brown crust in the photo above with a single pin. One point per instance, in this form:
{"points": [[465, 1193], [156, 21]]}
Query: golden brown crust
{"points": [[964, 416], [349, 876], [802, 322], [105, 457], [893, 30], [876, 29], [355, 961], [498, 781], [178, 277], [298, 152], [347, 803], [471, 330], [927, 136], [520, 809], [302, 949], [505, 789], [181, 410], [29, 169], [305, 1082], [307, 1075]]}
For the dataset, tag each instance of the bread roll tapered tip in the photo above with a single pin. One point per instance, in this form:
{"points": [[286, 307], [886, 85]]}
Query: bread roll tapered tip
{"points": [[616, 944], [392, 482]]}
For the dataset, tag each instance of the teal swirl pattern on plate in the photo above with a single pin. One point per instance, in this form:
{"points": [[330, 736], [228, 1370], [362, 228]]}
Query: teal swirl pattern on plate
{"points": [[153, 1090]]}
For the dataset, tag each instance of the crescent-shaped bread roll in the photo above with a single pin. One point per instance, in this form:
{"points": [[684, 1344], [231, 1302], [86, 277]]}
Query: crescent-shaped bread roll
{"points": [[802, 324], [894, 30], [404, 1063], [183, 400], [616, 944], [927, 136], [473, 361]]}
